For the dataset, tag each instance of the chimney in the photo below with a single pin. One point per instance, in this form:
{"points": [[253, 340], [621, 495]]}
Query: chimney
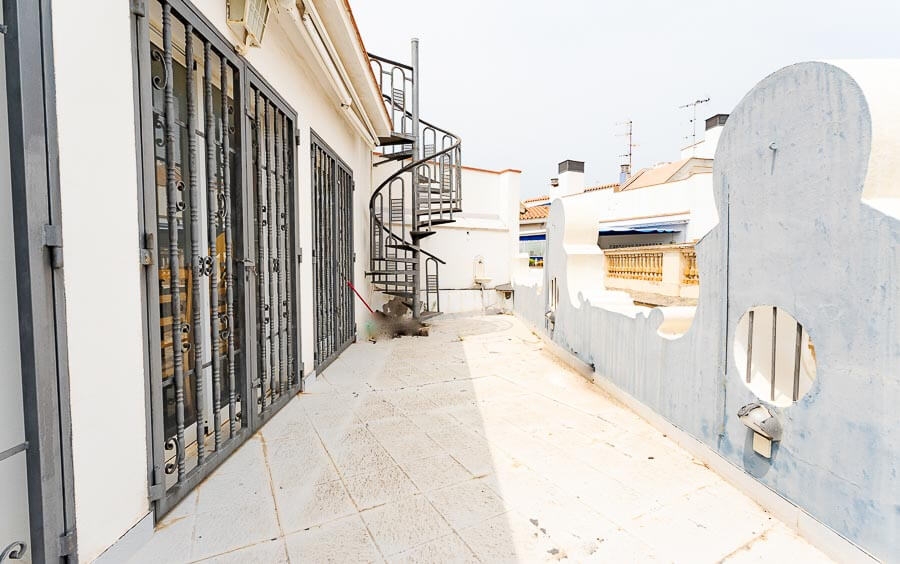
{"points": [[571, 179], [624, 173]]}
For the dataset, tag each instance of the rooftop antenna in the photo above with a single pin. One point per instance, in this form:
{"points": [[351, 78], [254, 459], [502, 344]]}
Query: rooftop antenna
{"points": [[625, 168], [694, 105]]}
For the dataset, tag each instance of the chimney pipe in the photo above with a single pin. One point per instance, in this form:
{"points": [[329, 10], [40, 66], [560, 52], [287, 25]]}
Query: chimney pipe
{"points": [[624, 173]]}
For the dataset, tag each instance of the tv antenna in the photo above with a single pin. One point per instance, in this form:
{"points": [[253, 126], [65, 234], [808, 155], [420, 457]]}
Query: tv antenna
{"points": [[628, 148], [694, 105]]}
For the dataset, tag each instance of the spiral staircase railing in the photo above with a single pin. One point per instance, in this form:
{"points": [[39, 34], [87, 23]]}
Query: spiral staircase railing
{"points": [[426, 191]]}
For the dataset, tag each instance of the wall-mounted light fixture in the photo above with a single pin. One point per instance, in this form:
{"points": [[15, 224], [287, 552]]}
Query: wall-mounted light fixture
{"points": [[766, 428], [248, 19]]}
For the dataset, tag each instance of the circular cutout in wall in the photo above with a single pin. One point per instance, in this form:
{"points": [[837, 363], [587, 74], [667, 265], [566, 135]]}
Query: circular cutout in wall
{"points": [[775, 357]]}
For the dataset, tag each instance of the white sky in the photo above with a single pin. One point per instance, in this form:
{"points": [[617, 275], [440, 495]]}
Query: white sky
{"points": [[530, 83]]}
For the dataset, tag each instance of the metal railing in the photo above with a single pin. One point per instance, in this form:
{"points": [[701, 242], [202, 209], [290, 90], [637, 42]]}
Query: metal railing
{"points": [[428, 188]]}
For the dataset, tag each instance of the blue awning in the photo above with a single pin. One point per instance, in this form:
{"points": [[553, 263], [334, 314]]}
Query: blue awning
{"points": [[635, 230], [541, 237], [673, 226]]}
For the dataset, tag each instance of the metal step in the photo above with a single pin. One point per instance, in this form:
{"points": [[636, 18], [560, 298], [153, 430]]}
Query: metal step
{"points": [[404, 246], [395, 138], [434, 222], [406, 283], [416, 235], [399, 260], [399, 294], [390, 272], [398, 156], [438, 211], [436, 189]]}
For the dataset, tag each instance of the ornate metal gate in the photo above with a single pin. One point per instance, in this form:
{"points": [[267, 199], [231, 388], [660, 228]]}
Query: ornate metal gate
{"points": [[333, 256], [219, 148]]}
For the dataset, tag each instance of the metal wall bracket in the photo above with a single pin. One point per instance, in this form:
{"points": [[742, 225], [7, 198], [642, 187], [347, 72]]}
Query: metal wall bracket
{"points": [[53, 241], [299, 256], [139, 8], [157, 492], [67, 544], [147, 251]]}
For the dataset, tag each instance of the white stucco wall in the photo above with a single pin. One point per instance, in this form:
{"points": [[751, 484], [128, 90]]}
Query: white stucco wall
{"points": [[488, 227], [800, 228], [100, 193], [98, 182]]}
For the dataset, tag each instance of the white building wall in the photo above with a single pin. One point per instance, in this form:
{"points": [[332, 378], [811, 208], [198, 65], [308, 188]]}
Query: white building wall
{"points": [[98, 178], [488, 227], [98, 184]]}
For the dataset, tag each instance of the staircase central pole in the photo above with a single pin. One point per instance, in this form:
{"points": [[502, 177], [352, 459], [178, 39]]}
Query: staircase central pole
{"points": [[415, 173]]}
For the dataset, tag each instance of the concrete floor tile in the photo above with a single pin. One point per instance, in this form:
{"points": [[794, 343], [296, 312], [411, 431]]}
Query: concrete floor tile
{"points": [[229, 528], [511, 538], [371, 489], [435, 472], [402, 439], [234, 490], [482, 420], [777, 544], [293, 463], [310, 505], [467, 503], [405, 524], [341, 541], [450, 550], [267, 552], [169, 543]]}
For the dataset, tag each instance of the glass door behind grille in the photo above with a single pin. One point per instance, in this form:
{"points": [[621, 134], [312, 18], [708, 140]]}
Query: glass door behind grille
{"points": [[219, 212], [197, 180], [332, 187]]}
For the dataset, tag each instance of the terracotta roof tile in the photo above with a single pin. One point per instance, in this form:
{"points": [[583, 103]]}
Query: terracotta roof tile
{"points": [[535, 212], [537, 199], [602, 187]]}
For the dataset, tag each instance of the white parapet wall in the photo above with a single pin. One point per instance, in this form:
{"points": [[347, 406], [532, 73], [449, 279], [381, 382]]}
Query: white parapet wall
{"points": [[807, 188]]}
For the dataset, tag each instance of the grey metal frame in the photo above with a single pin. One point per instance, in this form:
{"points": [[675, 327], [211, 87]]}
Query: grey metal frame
{"points": [[332, 188], [236, 268], [39, 277]]}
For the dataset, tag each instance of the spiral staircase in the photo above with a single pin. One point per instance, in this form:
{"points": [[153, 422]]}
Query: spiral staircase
{"points": [[425, 191]]}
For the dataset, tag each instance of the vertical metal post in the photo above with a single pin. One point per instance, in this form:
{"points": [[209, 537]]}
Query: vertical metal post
{"points": [[260, 248], [270, 254], [750, 346], [415, 179], [229, 245], [173, 206], [196, 261], [774, 348], [212, 265], [797, 348]]}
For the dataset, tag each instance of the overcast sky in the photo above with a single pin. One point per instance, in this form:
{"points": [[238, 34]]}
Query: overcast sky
{"points": [[529, 83]]}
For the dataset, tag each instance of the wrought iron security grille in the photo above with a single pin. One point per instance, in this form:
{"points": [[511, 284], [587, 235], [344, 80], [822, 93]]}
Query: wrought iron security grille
{"points": [[272, 193], [332, 188], [219, 186]]}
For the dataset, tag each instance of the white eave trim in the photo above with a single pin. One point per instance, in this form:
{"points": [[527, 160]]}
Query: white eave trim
{"points": [[342, 39]]}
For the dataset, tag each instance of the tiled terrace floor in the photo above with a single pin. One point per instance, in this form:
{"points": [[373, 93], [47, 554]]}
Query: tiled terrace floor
{"points": [[470, 445]]}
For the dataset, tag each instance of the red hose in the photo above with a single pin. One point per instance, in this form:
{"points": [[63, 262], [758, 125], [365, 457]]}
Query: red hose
{"points": [[360, 297]]}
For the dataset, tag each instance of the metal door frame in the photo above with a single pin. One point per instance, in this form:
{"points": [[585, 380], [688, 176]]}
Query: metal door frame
{"points": [[350, 258], [34, 171], [164, 499]]}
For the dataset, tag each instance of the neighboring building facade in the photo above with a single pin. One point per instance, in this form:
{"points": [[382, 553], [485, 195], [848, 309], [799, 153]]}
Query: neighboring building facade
{"points": [[207, 175], [646, 225]]}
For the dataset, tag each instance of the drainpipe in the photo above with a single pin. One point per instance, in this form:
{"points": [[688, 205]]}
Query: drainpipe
{"points": [[308, 25]]}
